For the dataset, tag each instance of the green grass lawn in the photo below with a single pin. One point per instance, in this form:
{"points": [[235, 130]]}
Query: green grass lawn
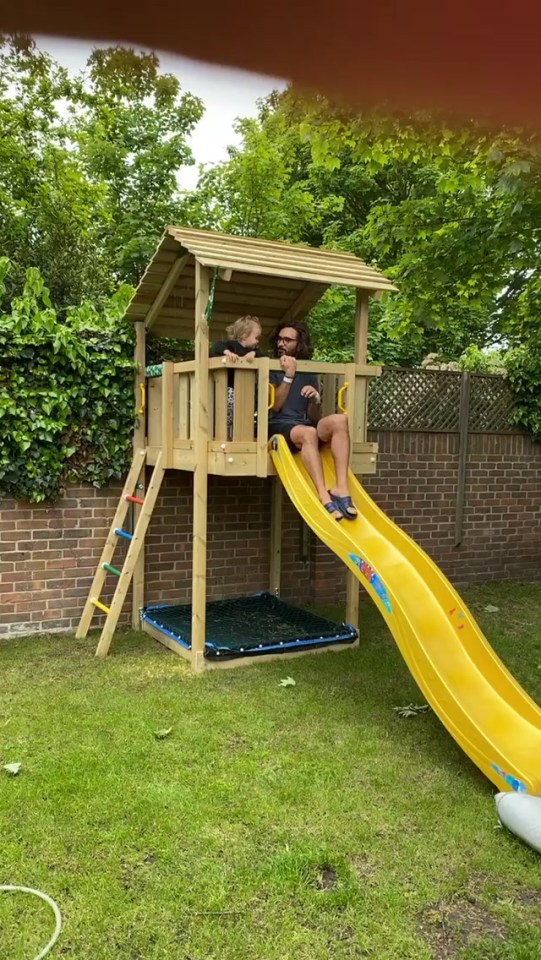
{"points": [[304, 822]]}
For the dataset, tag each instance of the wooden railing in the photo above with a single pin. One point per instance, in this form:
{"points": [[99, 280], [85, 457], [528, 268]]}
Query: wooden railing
{"points": [[241, 423]]}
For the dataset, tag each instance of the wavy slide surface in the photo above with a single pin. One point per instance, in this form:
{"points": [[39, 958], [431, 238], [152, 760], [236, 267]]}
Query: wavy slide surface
{"points": [[483, 707]]}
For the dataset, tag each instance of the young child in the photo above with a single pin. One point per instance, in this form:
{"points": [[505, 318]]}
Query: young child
{"points": [[244, 336]]}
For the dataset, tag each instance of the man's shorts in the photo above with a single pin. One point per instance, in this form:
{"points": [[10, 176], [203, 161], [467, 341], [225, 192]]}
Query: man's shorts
{"points": [[284, 428]]}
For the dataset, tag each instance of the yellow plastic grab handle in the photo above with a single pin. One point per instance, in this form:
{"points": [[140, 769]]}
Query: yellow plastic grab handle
{"points": [[143, 390], [341, 393], [272, 396]]}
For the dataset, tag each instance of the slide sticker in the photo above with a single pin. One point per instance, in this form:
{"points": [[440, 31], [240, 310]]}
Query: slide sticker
{"points": [[374, 580], [513, 782], [460, 618]]}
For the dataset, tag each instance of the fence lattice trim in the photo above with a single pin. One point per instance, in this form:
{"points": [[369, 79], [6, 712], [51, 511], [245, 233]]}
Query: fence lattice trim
{"points": [[491, 404], [429, 400]]}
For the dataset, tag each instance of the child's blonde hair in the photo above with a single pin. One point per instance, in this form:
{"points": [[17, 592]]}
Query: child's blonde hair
{"points": [[242, 327]]}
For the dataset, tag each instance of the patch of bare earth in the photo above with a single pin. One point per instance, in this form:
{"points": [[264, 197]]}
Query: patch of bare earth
{"points": [[326, 877], [450, 926]]}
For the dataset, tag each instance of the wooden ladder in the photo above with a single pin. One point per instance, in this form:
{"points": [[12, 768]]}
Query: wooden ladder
{"points": [[136, 539]]}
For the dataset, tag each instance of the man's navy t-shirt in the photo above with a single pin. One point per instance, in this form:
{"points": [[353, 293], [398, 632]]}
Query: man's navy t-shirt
{"points": [[295, 408]]}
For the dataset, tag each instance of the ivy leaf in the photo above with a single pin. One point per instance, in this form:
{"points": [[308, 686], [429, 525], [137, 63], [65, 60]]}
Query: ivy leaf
{"points": [[163, 734], [12, 768], [288, 682], [411, 710]]}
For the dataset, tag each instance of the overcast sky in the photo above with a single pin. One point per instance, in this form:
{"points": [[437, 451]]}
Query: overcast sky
{"points": [[226, 94]]}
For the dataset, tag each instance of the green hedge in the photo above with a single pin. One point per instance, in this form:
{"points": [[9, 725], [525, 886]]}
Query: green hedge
{"points": [[66, 392]]}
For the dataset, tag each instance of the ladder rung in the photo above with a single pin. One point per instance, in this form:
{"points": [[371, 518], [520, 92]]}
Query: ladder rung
{"points": [[98, 603], [111, 569], [134, 499], [123, 533]]}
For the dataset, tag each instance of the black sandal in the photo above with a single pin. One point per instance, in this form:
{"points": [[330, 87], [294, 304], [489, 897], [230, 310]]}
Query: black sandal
{"points": [[345, 505], [334, 508]]}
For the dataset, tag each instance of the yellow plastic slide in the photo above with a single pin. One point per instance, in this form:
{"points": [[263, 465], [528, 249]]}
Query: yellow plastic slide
{"points": [[483, 707]]}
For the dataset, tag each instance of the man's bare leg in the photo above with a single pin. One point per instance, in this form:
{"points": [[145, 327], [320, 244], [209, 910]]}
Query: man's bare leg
{"points": [[306, 438], [334, 430]]}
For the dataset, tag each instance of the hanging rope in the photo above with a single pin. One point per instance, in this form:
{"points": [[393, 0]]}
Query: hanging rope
{"points": [[210, 301]]}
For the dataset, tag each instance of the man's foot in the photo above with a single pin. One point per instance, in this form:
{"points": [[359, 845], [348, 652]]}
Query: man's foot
{"points": [[345, 505], [334, 510]]}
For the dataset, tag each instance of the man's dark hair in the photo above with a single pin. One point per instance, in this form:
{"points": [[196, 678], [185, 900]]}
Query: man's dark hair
{"points": [[304, 342]]}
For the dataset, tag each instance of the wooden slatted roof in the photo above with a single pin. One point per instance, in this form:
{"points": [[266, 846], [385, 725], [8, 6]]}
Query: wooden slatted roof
{"points": [[275, 281]]}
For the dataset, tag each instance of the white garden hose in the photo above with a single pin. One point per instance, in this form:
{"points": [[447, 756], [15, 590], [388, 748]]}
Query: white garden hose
{"points": [[7, 888]]}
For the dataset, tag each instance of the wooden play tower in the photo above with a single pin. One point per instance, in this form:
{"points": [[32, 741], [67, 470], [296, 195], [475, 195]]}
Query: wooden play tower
{"points": [[196, 284]]}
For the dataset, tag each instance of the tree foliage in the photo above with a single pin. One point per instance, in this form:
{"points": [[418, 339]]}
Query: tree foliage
{"points": [[88, 166], [131, 126], [450, 213]]}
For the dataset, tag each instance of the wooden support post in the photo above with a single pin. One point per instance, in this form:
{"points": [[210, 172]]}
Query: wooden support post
{"points": [[352, 600], [262, 417], [357, 413], [276, 536], [361, 350], [350, 404], [464, 419], [167, 413], [328, 406], [139, 443], [200, 399]]}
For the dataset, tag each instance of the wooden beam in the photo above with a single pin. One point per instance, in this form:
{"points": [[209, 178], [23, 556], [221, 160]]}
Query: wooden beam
{"points": [[306, 299], [248, 661], [464, 419], [350, 378], [182, 408], [220, 405], [139, 442], [314, 272], [165, 291], [361, 326], [276, 536], [358, 407], [262, 416], [154, 412], [352, 600], [358, 433], [167, 413], [200, 479], [173, 645], [244, 405]]}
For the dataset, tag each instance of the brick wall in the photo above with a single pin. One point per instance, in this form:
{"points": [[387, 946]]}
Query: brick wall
{"points": [[49, 553]]}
